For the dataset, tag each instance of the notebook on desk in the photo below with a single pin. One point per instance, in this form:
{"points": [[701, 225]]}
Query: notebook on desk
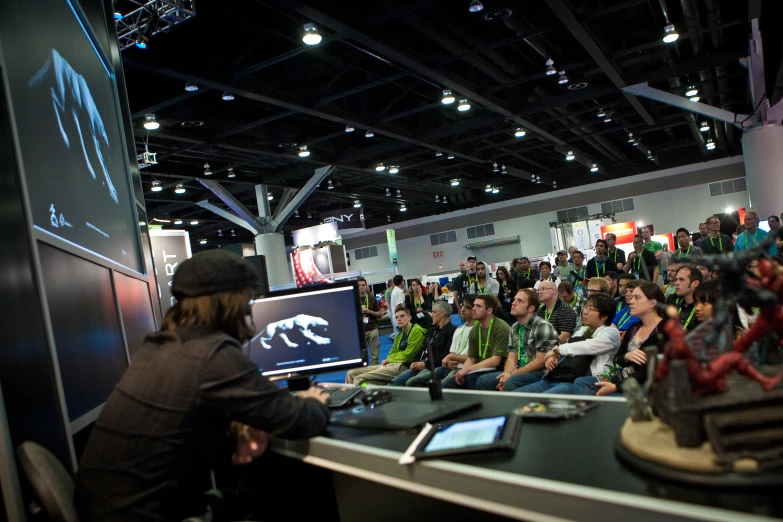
{"points": [[401, 414]]}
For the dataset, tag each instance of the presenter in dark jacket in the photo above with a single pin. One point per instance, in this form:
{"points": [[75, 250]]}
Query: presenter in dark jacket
{"points": [[190, 393], [419, 305]]}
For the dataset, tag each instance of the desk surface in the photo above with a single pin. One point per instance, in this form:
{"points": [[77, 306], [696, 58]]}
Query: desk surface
{"points": [[562, 470]]}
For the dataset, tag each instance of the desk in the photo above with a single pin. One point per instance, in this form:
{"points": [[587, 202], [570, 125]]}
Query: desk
{"points": [[564, 470]]}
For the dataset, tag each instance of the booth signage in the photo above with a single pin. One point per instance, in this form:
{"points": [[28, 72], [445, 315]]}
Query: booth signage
{"points": [[391, 239], [169, 249], [624, 231], [348, 219]]}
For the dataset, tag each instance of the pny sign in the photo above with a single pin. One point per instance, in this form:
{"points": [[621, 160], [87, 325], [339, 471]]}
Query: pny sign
{"points": [[346, 220], [343, 218]]}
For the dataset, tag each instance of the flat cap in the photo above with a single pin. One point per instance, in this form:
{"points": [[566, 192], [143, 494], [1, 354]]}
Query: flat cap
{"points": [[210, 272]]}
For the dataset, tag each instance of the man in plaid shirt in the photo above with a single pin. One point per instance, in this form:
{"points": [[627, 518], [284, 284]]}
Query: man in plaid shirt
{"points": [[530, 339]]}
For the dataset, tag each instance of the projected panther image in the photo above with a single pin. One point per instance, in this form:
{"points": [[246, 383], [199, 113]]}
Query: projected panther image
{"points": [[306, 331], [66, 109]]}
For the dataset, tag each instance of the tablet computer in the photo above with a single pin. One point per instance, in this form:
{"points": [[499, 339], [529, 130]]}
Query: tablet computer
{"points": [[498, 433]]}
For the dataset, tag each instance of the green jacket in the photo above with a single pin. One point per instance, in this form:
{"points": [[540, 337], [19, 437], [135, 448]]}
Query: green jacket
{"points": [[416, 335]]}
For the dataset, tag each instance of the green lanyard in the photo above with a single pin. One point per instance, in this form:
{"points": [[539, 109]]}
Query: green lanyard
{"points": [[416, 304], [460, 340], [483, 354], [720, 243], [505, 286], [547, 315], [755, 238], [573, 302], [686, 253], [637, 261], [481, 290], [598, 268], [520, 345], [367, 301], [685, 326], [615, 256], [624, 318], [581, 274], [528, 274]]}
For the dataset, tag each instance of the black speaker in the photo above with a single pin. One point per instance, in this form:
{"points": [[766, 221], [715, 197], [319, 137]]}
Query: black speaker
{"points": [[259, 262]]}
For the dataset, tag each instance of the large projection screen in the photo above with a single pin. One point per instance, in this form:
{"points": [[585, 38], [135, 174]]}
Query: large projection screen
{"points": [[69, 127]]}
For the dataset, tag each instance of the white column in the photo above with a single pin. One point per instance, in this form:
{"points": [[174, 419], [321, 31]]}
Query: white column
{"points": [[762, 148], [272, 246]]}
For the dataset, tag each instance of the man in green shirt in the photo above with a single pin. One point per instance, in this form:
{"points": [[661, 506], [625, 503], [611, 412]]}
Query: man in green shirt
{"points": [[407, 345], [653, 246], [487, 344]]}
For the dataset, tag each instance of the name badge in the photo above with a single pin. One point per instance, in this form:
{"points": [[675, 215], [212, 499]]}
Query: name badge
{"points": [[507, 299], [420, 315], [366, 320]]}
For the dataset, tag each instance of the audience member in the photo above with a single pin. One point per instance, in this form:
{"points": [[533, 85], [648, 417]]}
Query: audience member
{"points": [[508, 288], [702, 235], [487, 344], [671, 275], [571, 251], [406, 347], [572, 299], [598, 285], [613, 278], [752, 235], [527, 276], [588, 354], [600, 264], [531, 339], [438, 338], [553, 310], [397, 299], [371, 311], [418, 304], [641, 262], [685, 248], [688, 279], [774, 223], [612, 252], [466, 280], [546, 275], [715, 242], [483, 283], [653, 246], [577, 274], [562, 269], [623, 318]]}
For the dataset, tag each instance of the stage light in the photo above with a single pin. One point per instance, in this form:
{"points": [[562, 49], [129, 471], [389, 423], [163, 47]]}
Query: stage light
{"points": [[403, 208], [594, 168], [349, 128], [303, 152], [180, 189], [178, 222], [357, 203], [394, 169], [670, 34], [488, 189], [191, 87], [475, 6], [150, 123], [463, 106], [311, 36], [156, 186], [369, 134], [269, 196], [380, 167], [729, 210], [207, 170], [570, 156], [550, 69], [520, 133], [710, 144], [227, 96], [455, 182], [563, 78], [230, 173], [704, 126], [448, 97], [194, 222], [495, 190], [692, 91]]}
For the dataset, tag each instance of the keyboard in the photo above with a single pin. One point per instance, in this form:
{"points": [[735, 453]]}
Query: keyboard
{"points": [[340, 396]]}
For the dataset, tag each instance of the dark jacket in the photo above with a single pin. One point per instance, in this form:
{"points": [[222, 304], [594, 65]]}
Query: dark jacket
{"points": [[511, 287], [426, 305], [657, 338], [163, 427], [440, 340], [593, 270]]}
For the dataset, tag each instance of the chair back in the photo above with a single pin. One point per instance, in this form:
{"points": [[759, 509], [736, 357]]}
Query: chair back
{"points": [[50, 481]]}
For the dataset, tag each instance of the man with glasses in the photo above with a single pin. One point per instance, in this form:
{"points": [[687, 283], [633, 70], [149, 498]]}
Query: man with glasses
{"points": [[599, 285], [554, 311], [715, 242]]}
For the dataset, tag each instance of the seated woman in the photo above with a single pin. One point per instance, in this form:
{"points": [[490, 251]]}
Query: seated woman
{"points": [[435, 293], [508, 288], [587, 354], [419, 304], [647, 304]]}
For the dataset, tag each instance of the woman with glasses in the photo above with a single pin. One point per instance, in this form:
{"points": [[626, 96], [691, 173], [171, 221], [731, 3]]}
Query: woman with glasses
{"points": [[647, 304], [508, 288], [419, 304]]}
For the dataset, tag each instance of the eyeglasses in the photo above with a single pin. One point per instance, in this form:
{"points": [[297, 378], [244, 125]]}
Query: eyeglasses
{"points": [[590, 309], [592, 291], [716, 222]]}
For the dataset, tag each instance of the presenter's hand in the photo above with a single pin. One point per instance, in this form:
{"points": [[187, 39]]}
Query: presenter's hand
{"points": [[251, 443], [314, 392], [636, 357], [605, 388]]}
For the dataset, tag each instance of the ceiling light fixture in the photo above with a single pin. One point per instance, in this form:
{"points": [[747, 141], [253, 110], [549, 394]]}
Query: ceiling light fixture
{"points": [[394, 169], [554, 184], [296, 214], [451, 156], [594, 168], [495, 167], [156, 186], [357, 203], [601, 113], [495, 190], [438, 154], [349, 128], [399, 194], [369, 134], [388, 192], [503, 170], [570, 156], [150, 123], [311, 36], [563, 78], [692, 91], [203, 241], [538, 179], [227, 96], [388, 218], [455, 182], [437, 198], [207, 170], [704, 126], [448, 97], [231, 173], [220, 233], [520, 132], [475, 6], [194, 222], [233, 234], [380, 167], [631, 139], [269, 196], [670, 34], [488, 189], [403, 208], [710, 144], [550, 67], [608, 118], [445, 201], [303, 152], [178, 222], [329, 185], [191, 87], [463, 106], [180, 189], [309, 215], [694, 99]]}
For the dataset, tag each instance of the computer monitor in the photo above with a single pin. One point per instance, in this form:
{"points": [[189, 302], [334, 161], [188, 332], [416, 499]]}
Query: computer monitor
{"points": [[306, 331]]}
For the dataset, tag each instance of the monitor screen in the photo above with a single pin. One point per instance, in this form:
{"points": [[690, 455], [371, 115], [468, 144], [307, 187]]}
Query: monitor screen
{"points": [[308, 331], [69, 124]]}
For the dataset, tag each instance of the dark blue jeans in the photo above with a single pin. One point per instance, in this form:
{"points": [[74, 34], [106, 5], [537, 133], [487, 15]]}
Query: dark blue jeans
{"points": [[544, 386], [402, 378], [586, 386], [489, 380], [468, 384]]}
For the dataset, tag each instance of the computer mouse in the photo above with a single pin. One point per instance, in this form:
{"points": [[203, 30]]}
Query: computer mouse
{"points": [[377, 397]]}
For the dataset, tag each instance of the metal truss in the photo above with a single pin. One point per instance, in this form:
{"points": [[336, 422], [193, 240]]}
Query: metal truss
{"points": [[150, 18]]}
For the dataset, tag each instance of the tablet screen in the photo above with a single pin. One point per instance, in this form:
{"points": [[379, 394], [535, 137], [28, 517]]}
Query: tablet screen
{"points": [[479, 432]]}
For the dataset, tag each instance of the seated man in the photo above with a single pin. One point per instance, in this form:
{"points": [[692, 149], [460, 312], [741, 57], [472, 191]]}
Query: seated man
{"points": [[438, 338], [531, 339], [407, 345], [596, 342], [487, 344], [458, 353]]}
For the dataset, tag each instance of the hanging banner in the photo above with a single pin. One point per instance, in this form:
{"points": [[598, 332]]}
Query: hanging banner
{"points": [[317, 234], [348, 220], [581, 235], [169, 249], [391, 239]]}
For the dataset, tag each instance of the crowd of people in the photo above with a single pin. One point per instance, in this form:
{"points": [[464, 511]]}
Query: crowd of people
{"points": [[576, 327]]}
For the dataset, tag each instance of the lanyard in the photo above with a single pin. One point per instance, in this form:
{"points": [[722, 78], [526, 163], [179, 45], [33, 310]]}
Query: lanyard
{"points": [[598, 267], [416, 304], [461, 350], [755, 238], [573, 302], [521, 344], [505, 286], [686, 253], [581, 274], [528, 274], [624, 318], [481, 290], [685, 326], [367, 301], [638, 261], [483, 354], [615, 256], [720, 243], [547, 315]]}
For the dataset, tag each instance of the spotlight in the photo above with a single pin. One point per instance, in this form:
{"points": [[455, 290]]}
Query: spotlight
{"points": [[448, 98], [694, 99], [141, 41], [380, 167], [156, 186], [117, 12], [495, 190], [220, 233], [570, 156], [503, 170], [533, 178], [455, 182], [437, 198], [150, 123], [563, 78], [451, 156], [303, 152], [631, 139], [329, 185], [369, 134], [388, 218], [231, 173], [710, 144], [475, 6], [357, 203], [550, 69], [311, 36], [178, 222], [488, 189], [538, 179], [729, 210], [495, 167], [403, 208], [399, 194], [601, 113], [233, 234], [309, 215], [594, 168], [349, 128], [191, 87], [692, 91], [194, 222], [207, 170], [463, 106], [227, 96], [269, 196], [438, 154], [203, 241], [296, 214], [445, 201], [520, 133], [394, 169], [180, 189], [388, 192], [670, 34], [554, 184], [704, 126], [608, 118]]}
